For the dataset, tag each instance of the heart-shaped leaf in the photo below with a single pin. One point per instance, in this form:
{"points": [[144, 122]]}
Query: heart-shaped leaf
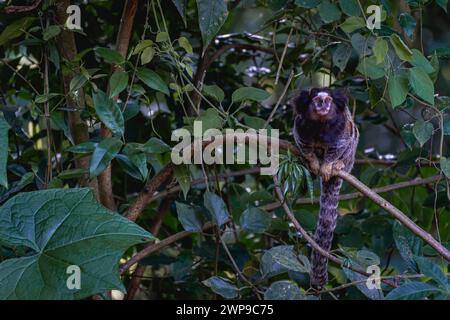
{"points": [[64, 230]]}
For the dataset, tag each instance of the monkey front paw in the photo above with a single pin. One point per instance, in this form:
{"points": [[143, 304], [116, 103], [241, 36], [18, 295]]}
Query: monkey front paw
{"points": [[314, 166], [338, 166], [326, 171]]}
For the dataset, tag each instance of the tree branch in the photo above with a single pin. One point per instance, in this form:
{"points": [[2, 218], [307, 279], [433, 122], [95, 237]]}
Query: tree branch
{"points": [[122, 43], [78, 127]]}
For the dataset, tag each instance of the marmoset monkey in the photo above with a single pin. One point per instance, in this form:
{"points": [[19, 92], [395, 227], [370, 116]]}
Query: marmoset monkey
{"points": [[327, 138]]}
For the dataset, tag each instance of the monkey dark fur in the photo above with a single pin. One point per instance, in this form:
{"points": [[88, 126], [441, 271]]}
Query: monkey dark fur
{"points": [[327, 138]]}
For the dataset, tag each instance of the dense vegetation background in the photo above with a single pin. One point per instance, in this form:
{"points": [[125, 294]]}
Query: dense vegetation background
{"points": [[95, 108]]}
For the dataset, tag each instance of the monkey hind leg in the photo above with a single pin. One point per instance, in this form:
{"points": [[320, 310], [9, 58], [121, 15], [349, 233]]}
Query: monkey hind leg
{"points": [[326, 224]]}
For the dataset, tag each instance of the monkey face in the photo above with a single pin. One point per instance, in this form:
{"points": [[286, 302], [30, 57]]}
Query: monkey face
{"points": [[322, 103]]}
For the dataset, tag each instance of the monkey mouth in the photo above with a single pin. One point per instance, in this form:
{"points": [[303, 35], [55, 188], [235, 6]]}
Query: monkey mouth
{"points": [[322, 111]]}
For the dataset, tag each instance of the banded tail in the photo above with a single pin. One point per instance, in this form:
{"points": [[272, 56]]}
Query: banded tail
{"points": [[326, 223]]}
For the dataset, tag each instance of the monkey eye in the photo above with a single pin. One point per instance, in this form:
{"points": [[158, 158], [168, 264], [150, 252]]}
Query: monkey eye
{"points": [[326, 99]]}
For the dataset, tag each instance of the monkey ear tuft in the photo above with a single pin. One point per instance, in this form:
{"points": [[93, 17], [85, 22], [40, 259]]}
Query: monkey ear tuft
{"points": [[301, 101], [340, 99]]}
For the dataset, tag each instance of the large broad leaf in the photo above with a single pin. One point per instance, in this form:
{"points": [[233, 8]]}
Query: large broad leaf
{"points": [[181, 8], [255, 219], [109, 55], [307, 3], [285, 257], [353, 23], [284, 290], [398, 90], [341, 55], [211, 16], [117, 83], [421, 84], [401, 49], [109, 113], [4, 127], [371, 293], [418, 60], [63, 228], [432, 270], [370, 68], [350, 7], [15, 29], [104, 152], [216, 206], [222, 287], [152, 79], [380, 50], [423, 130], [329, 12], [249, 93], [188, 217], [412, 291], [214, 92], [407, 244]]}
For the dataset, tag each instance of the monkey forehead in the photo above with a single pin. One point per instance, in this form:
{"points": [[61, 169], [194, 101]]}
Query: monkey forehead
{"points": [[322, 94]]}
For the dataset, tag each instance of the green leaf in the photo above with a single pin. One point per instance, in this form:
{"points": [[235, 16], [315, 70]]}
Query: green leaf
{"points": [[445, 166], [51, 32], [104, 152], [401, 49], [162, 36], [443, 4], [352, 23], [156, 146], [184, 43], [117, 83], [210, 119], [408, 23], [214, 92], [255, 220], [412, 291], [43, 98], [380, 50], [211, 17], [369, 68], [398, 90], [329, 12], [421, 84], [147, 55], [418, 60], [284, 256], [152, 79], [4, 128], [77, 82], [181, 8], [109, 113], [307, 3], [216, 206], [341, 55], [62, 228], [134, 164], [183, 176], [222, 287], [433, 271], [249, 93], [350, 7], [188, 217], [83, 148], [423, 130], [72, 173], [142, 45], [284, 290], [109, 55], [407, 244], [15, 29], [373, 294]]}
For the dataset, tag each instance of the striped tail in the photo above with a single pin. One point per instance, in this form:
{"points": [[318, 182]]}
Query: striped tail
{"points": [[329, 199]]}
